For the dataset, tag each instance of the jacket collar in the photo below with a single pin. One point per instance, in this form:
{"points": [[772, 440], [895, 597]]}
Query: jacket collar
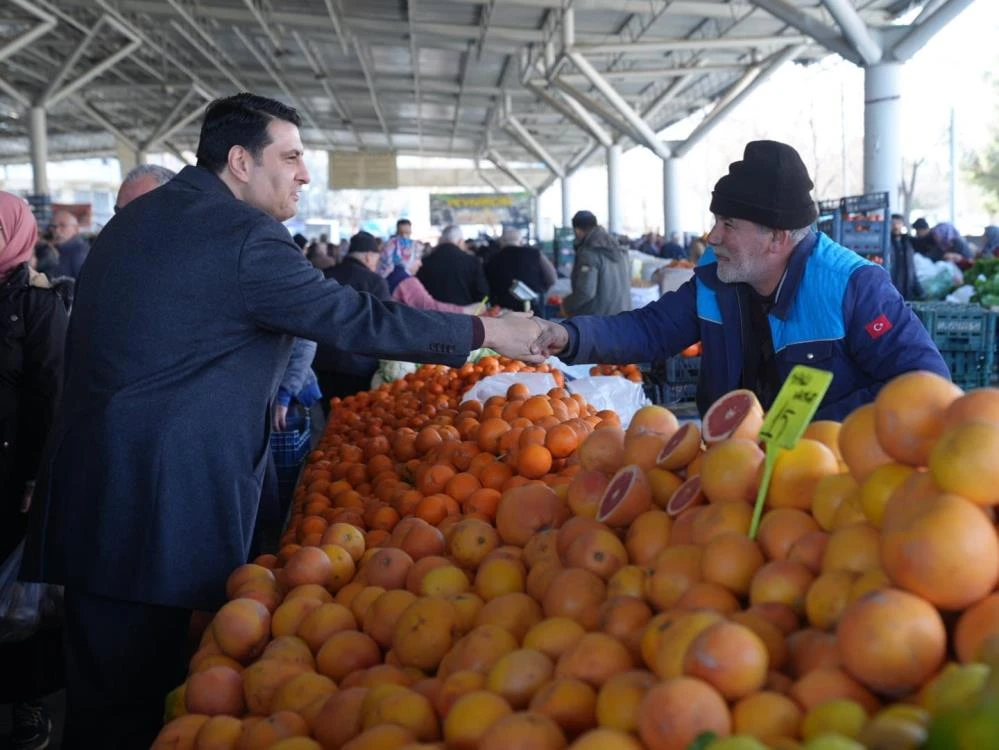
{"points": [[201, 179], [787, 290]]}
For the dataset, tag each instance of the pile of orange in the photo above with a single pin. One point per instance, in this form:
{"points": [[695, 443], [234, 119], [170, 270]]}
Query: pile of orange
{"points": [[413, 448], [502, 614], [630, 371]]}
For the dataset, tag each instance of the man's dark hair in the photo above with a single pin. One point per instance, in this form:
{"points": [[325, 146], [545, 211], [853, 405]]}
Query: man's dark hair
{"points": [[920, 223], [239, 120], [584, 220], [897, 216], [402, 223]]}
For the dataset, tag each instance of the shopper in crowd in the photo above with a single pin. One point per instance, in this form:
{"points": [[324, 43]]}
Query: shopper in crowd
{"points": [[33, 320], [903, 267], [139, 180], [300, 386], [517, 262], [924, 242], [452, 274], [318, 254], [769, 295], [953, 246], [601, 273], [673, 249], [72, 246], [150, 482], [342, 373], [400, 248], [990, 242], [409, 290]]}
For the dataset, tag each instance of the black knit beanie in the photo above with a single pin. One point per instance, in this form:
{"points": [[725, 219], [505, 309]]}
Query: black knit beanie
{"points": [[363, 242], [770, 187]]}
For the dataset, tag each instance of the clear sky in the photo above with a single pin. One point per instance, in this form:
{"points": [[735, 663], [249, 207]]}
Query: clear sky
{"points": [[819, 110]]}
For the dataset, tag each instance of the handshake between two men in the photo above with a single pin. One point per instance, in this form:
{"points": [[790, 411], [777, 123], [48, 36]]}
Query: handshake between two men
{"points": [[525, 337]]}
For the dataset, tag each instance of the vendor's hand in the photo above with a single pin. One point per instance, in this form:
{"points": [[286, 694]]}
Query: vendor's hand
{"points": [[279, 419], [552, 340], [513, 335], [953, 257]]}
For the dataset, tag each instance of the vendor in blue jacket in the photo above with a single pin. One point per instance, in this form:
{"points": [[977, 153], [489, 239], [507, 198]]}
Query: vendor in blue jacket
{"points": [[770, 293]]}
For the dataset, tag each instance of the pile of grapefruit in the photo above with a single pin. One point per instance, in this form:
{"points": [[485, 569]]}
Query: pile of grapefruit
{"points": [[525, 573]]}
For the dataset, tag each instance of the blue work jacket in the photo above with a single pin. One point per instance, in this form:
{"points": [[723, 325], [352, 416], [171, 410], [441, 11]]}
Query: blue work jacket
{"points": [[834, 310]]}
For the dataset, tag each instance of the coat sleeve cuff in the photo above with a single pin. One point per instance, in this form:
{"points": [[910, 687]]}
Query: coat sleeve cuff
{"points": [[572, 348], [478, 333], [283, 397]]}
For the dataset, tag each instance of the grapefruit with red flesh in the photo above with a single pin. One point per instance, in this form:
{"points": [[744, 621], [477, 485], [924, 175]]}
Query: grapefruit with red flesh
{"points": [[735, 415], [627, 496], [687, 495], [681, 448]]}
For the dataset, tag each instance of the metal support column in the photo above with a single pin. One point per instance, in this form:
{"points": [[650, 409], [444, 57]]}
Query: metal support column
{"points": [[39, 149], [671, 197], [566, 202], [883, 129], [614, 219], [141, 157]]}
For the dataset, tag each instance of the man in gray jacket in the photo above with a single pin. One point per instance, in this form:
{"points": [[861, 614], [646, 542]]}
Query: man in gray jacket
{"points": [[601, 274]]}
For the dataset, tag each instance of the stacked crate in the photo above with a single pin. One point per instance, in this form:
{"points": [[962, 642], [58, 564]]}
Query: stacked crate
{"points": [[965, 336], [673, 381]]}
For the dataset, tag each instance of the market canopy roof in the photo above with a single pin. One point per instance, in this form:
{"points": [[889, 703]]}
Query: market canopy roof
{"points": [[504, 80]]}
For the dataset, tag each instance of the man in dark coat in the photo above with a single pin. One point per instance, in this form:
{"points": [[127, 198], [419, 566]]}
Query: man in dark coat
{"points": [[517, 263], [151, 476], [452, 275], [903, 268], [73, 248], [343, 373]]}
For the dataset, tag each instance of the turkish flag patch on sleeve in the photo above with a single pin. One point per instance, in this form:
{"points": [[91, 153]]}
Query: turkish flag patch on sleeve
{"points": [[878, 327]]}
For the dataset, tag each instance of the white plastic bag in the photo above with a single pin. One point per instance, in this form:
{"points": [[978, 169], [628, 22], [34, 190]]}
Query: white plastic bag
{"points": [[538, 383], [611, 392], [24, 607], [643, 295], [572, 372]]}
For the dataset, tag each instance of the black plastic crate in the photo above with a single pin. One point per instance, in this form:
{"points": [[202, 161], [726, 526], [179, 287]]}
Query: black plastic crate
{"points": [[673, 381], [683, 370]]}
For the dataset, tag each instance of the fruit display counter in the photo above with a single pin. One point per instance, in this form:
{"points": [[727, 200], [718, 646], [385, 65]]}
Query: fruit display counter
{"points": [[524, 573]]}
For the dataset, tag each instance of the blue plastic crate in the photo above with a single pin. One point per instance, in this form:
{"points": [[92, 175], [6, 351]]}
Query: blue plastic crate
{"points": [[961, 328], [291, 446], [970, 369], [829, 221], [865, 224]]}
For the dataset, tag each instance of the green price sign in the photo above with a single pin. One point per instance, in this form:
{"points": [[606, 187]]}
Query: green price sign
{"points": [[786, 422]]}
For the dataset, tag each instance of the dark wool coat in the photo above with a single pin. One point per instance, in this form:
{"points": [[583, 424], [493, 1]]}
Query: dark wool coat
{"points": [[151, 477]]}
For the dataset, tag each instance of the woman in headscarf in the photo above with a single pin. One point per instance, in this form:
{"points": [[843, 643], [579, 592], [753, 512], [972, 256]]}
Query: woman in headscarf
{"points": [[33, 322], [990, 243], [950, 241]]}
